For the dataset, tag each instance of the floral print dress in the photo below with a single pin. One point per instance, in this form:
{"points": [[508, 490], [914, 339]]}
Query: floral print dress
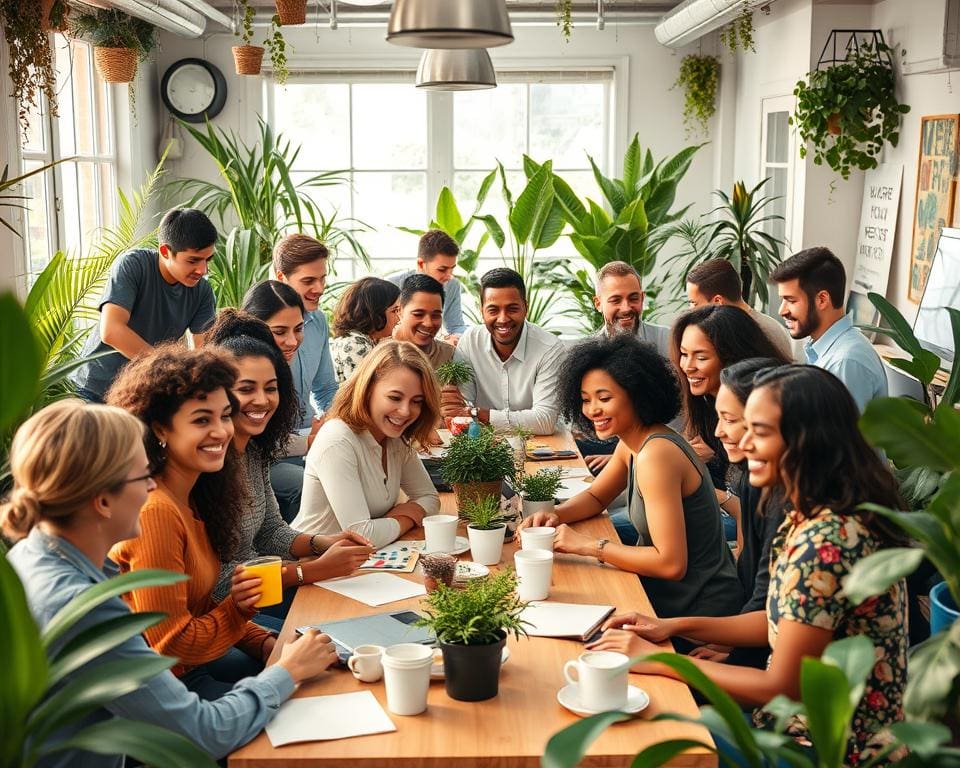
{"points": [[347, 352], [809, 562]]}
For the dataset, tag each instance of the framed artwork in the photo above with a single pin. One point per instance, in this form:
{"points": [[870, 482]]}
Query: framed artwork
{"points": [[936, 194]]}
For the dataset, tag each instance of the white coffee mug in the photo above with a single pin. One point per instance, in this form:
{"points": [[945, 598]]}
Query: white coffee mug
{"points": [[365, 663], [440, 533], [406, 676], [534, 572], [601, 679], [539, 537]]}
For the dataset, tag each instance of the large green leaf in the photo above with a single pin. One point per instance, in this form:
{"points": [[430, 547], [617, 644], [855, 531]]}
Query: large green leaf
{"points": [[20, 361], [855, 656], [876, 573], [566, 748], [934, 671], [663, 752], [532, 208], [631, 167], [909, 438], [923, 738], [611, 191], [828, 721], [448, 214], [493, 229]]}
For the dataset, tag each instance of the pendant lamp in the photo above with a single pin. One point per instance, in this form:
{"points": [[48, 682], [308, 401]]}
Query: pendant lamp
{"points": [[449, 24], [467, 69]]}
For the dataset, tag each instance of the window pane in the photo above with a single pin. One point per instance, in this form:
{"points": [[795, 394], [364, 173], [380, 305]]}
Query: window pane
{"points": [[65, 102], [108, 194], [39, 240], [389, 126], [70, 202], [83, 99], [490, 126], [317, 117], [104, 116], [566, 120], [89, 203], [327, 198], [777, 188], [385, 201], [34, 140], [778, 137]]}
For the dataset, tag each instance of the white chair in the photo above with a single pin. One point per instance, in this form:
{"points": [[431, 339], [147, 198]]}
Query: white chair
{"points": [[902, 384]]}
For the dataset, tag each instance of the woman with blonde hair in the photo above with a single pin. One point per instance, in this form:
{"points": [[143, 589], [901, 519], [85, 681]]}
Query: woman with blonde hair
{"points": [[363, 455], [80, 476]]}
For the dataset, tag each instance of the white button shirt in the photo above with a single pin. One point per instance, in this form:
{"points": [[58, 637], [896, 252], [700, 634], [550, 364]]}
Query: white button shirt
{"points": [[521, 391]]}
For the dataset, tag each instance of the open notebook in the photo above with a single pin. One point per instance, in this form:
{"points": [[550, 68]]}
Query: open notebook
{"points": [[572, 620]]}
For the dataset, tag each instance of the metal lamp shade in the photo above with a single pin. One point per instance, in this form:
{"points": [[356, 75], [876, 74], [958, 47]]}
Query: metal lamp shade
{"points": [[449, 24], [463, 70]]}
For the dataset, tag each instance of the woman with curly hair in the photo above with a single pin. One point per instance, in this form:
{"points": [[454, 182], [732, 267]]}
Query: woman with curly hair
{"points": [[266, 410], [367, 312], [802, 438], [192, 520], [622, 387]]}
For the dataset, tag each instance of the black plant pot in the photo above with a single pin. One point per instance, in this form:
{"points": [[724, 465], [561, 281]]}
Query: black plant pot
{"points": [[472, 672]]}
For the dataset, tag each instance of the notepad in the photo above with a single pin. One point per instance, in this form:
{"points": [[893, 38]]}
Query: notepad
{"points": [[374, 588], [399, 557], [572, 620], [321, 718]]}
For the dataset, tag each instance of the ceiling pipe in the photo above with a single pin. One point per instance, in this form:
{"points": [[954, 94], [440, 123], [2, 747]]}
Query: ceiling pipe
{"points": [[176, 16]]}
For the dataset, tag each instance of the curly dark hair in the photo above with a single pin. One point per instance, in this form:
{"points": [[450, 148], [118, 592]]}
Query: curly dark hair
{"points": [[246, 336], [827, 461], [363, 306], [735, 336], [153, 387], [645, 375]]}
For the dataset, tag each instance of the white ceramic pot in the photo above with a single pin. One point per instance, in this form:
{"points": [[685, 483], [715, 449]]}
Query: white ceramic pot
{"points": [[532, 507], [486, 547]]}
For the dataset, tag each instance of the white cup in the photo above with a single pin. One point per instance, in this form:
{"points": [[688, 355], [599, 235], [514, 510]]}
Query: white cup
{"points": [[534, 571], [365, 663], [601, 679], [440, 532], [540, 537], [406, 675]]}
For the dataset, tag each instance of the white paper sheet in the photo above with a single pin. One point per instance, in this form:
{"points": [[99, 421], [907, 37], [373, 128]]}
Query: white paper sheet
{"points": [[374, 588], [549, 619], [571, 486], [321, 718]]}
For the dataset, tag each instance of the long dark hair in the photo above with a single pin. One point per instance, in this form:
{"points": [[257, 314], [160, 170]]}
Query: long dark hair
{"points": [[268, 297], [827, 461], [735, 336], [246, 336], [153, 387], [739, 378]]}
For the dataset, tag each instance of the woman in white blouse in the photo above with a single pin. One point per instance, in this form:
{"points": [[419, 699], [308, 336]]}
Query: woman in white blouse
{"points": [[362, 457]]}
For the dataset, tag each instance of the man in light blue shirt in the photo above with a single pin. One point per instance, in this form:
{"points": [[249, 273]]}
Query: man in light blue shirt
{"points": [[437, 257], [312, 368], [812, 285]]}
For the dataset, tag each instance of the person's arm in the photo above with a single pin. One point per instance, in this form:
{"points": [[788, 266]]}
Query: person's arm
{"points": [[325, 381], [452, 308], [116, 332], [605, 487], [124, 287], [541, 417], [744, 629]]}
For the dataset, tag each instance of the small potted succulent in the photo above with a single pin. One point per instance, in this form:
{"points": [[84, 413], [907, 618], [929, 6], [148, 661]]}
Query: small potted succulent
{"points": [[476, 466], [539, 490], [438, 568], [486, 528], [247, 58], [471, 625]]}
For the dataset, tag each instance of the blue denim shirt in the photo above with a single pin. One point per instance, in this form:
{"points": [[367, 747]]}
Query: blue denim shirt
{"points": [[53, 572], [312, 368], [847, 354], [452, 306]]}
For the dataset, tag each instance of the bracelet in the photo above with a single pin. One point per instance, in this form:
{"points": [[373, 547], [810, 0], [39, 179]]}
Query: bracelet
{"points": [[313, 545], [727, 497], [600, 545], [299, 575]]}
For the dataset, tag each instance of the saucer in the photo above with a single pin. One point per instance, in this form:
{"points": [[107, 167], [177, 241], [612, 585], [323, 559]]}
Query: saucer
{"points": [[461, 545], [569, 697], [436, 669], [466, 571]]}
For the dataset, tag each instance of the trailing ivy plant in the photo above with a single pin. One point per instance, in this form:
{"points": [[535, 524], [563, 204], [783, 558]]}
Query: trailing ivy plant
{"points": [[278, 50], [849, 111], [699, 76], [565, 18], [738, 34], [31, 66]]}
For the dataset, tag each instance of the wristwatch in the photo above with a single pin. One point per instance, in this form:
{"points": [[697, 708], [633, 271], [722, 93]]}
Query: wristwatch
{"points": [[313, 546], [600, 545]]}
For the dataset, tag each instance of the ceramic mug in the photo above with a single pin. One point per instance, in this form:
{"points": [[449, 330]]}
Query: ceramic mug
{"points": [[601, 679], [365, 663]]}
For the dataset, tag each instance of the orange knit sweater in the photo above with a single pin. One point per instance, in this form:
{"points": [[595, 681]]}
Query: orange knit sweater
{"points": [[198, 630]]}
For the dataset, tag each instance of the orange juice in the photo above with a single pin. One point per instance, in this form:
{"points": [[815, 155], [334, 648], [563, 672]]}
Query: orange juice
{"points": [[267, 569]]}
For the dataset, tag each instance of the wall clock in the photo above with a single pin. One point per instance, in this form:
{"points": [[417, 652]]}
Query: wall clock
{"points": [[193, 89]]}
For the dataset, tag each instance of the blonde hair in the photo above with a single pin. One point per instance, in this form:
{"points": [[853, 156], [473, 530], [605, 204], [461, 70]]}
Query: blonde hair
{"points": [[62, 457], [352, 402]]}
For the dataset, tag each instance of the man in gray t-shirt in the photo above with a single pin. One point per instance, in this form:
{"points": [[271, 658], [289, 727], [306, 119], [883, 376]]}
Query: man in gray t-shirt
{"points": [[151, 297]]}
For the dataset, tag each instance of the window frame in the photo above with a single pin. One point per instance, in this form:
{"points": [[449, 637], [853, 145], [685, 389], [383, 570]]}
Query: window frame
{"points": [[772, 105]]}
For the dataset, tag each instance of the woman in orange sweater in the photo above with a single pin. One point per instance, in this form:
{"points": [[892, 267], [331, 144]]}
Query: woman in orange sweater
{"points": [[189, 522]]}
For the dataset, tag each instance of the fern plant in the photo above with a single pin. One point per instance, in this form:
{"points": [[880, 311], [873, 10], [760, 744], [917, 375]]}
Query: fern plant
{"points": [[542, 485], [478, 614], [455, 373]]}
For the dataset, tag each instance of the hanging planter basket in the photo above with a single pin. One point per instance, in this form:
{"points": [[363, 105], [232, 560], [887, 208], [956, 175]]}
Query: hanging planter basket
{"points": [[115, 65], [248, 59], [53, 15], [292, 12]]}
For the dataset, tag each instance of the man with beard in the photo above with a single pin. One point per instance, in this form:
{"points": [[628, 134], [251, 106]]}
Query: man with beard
{"points": [[811, 285], [619, 299], [515, 363]]}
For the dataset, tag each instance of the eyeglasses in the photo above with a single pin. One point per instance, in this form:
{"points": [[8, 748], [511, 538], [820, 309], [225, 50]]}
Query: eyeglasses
{"points": [[149, 476]]}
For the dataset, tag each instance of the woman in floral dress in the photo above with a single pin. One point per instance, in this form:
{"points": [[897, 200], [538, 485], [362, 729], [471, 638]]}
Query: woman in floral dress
{"points": [[368, 311]]}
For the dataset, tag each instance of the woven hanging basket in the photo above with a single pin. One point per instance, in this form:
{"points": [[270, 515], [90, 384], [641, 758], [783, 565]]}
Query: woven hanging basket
{"points": [[116, 65], [248, 59], [292, 12], [46, 6]]}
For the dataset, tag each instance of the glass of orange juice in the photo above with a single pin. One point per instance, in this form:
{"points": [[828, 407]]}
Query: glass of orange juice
{"points": [[267, 569]]}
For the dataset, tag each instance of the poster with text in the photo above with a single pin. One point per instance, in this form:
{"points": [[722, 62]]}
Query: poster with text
{"points": [[936, 189]]}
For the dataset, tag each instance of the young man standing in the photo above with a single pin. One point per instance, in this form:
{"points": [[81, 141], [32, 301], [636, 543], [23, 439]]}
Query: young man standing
{"points": [[717, 282], [152, 297], [437, 257], [515, 364], [421, 315], [619, 299], [811, 285]]}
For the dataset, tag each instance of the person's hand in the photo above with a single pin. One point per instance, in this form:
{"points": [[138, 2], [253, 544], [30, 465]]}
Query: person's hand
{"points": [[623, 642], [653, 629], [704, 451], [267, 648], [245, 591], [342, 558], [598, 461], [307, 656], [410, 510], [568, 540], [619, 619], [314, 428], [541, 519], [452, 338], [711, 652]]}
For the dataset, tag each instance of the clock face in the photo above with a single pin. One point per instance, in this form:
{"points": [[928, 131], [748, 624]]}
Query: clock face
{"points": [[191, 89]]}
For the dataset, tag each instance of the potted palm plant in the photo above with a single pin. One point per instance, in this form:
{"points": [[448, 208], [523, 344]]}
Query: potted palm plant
{"points": [[539, 490], [486, 529], [119, 41], [471, 625], [476, 466]]}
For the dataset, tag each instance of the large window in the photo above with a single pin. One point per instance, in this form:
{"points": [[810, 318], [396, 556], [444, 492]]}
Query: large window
{"points": [[70, 202], [776, 162], [400, 146]]}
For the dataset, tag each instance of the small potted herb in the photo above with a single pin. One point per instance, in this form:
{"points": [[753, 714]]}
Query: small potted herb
{"points": [[539, 490], [471, 625], [476, 466], [486, 529], [456, 373]]}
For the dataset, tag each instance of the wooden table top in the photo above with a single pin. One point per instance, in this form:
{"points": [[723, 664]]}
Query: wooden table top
{"points": [[512, 729]]}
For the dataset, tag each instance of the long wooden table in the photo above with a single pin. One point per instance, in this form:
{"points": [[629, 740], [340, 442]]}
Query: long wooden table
{"points": [[512, 729]]}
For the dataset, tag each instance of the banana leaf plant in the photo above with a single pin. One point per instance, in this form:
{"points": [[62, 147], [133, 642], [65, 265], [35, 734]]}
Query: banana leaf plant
{"points": [[53, 682], [830, 687], [235, 267]]}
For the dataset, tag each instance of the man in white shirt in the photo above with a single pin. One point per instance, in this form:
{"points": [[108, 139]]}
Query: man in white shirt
{"points": [[717, 282], [515, 363]]}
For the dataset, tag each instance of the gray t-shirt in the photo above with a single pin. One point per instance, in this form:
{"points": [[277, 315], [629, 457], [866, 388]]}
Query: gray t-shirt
{"points": [[158, 312]]}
